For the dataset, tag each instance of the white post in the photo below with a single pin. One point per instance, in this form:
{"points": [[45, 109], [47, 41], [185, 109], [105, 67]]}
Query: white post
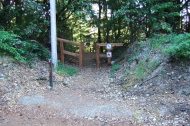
{"points": [[53, 33]]}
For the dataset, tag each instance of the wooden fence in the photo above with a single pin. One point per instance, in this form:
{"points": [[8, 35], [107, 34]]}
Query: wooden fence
{"points": [[98, 55], [63, 51]]}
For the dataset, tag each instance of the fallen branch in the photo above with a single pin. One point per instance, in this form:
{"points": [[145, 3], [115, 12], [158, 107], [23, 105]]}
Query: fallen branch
{"points": [[147, 80]]}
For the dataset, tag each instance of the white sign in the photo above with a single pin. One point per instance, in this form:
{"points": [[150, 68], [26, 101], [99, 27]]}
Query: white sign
{"points": [[108, 46], [109, 54]]}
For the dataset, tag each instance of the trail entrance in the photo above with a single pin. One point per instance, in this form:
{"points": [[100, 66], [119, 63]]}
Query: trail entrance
{"points": [[87, 58]]}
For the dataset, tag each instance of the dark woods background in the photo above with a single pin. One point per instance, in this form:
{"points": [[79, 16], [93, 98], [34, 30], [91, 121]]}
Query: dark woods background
{"points": [[117, 21]]}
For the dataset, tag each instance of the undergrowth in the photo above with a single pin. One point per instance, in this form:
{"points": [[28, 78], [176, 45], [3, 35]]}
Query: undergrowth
{"points": [[65, 70], [25, 51], [140, 72], [114, 68], [173, 45], [178, 45]]}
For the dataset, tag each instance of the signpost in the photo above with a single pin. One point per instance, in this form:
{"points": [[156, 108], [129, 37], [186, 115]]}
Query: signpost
{"points": [[108, 55]]}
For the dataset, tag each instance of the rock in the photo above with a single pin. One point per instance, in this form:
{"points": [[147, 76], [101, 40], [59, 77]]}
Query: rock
{"points": [[49, 87], [185, 91], [2, 76], [180, 76], [5, 65]]}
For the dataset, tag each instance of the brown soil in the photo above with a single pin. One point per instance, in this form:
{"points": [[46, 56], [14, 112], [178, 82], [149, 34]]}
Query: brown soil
{"points": [[89, 98]]}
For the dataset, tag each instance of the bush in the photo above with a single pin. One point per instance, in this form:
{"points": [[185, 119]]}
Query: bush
{"points": [[179, 47], [25, 51]]}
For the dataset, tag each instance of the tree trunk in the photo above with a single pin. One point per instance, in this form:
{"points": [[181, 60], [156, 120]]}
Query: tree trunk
{"points": [[99, 22]]}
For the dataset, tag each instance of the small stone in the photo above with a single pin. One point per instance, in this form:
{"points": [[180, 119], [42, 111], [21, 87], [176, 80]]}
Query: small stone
{"points": [[2, 76], [147, 95], [185, 92], [5, 65], [49, 87], [180, 77]]}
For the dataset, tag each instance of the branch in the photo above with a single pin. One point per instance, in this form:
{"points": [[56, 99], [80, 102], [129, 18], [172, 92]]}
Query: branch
{"points": [[59, 13], [147, 80]]}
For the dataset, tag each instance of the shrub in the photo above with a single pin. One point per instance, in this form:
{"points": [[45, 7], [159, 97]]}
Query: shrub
{"points": [[25, 51], [179, 47], [115, 67], [6, 47]]}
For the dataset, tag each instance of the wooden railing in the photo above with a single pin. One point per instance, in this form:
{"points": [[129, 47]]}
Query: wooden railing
{"points": [[98, 55], [63, 51]]}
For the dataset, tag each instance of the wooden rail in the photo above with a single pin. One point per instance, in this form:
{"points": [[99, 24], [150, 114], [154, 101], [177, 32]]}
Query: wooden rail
{"points": [[63, 51], [98, 55]]}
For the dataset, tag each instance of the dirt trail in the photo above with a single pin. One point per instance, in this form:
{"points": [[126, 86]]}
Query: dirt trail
{"points": [[85, 99], [78, 101]]}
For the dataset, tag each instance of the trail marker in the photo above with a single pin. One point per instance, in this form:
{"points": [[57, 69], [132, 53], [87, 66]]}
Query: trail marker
{"points": [[109, 46], [109, 54]]}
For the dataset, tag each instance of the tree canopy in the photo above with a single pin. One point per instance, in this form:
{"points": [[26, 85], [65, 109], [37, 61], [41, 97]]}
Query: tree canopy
{"points": [[100, 20]]}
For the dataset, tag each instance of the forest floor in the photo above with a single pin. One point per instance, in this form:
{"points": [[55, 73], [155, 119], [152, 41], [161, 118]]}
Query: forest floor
{"points": [[92, 97]]}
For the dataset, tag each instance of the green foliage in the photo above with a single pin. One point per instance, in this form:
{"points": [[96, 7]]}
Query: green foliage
{"points": [[162, 27], [140, 71], [6, 39], [115, 67], [65, 70], [179, 46], [29, 20], [158, 40], [25, 51], [176, 45]]}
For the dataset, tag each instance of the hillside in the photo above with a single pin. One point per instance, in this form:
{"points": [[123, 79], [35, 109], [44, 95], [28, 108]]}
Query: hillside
{"points": [[144, 88]]}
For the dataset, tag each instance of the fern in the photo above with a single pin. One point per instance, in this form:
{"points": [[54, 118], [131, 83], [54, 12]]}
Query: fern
{"points": [[7, 49], [25, 51]]}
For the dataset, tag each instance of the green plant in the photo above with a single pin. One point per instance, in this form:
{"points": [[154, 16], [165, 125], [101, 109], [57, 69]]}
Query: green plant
{"points": [[141, 70], [65, 70], [25, 51], [179, 47], [153, 64], [158, 40], [115, 67], [6, 48]]}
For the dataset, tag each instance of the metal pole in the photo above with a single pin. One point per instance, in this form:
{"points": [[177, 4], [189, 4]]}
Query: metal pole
{"points": [[53, 33], [50, 75]]}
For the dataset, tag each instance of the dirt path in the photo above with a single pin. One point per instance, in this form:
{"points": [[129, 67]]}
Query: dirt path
{"points": [[89, 98]]}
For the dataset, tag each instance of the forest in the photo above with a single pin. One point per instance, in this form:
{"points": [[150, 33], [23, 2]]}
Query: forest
{"points": [[145, 82], [25, 24]]}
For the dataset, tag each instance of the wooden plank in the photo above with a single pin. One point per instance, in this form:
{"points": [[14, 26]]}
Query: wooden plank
{"points": [[70, 53], [67, 41], [102, 55], [61, 51], [113, 44]]}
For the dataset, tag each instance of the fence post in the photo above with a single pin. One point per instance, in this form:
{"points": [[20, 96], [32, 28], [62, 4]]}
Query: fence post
{"points": [[97, 56], [61, 51], [109, 58], [81, 48]]}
